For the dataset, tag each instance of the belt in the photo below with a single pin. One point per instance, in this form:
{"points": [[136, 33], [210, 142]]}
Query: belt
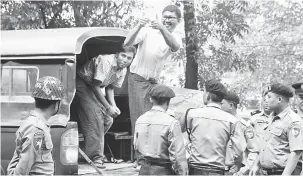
{"points": [[274, 171], [208, 168], [154, 163], [161, 164]]}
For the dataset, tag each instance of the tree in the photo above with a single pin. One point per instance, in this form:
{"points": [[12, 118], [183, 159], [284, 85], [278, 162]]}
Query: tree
{"points": [[60, 14], [274, 44], [191, 74], [207, 35]]}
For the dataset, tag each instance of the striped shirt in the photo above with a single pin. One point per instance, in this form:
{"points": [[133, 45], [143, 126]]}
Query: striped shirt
{"points": [[102, 68]]}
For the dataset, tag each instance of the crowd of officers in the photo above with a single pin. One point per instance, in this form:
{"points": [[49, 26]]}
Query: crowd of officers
{"points": [[220, 142]]}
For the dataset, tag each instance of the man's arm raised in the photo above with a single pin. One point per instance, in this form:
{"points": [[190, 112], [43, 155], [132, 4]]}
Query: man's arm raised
{"points": [[131, 36], [168, 36]]}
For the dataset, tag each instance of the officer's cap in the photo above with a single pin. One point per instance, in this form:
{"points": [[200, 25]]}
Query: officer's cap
{"points": [[298, 88], [232, 96], [163, 91], [215, 87], [281, 89]]}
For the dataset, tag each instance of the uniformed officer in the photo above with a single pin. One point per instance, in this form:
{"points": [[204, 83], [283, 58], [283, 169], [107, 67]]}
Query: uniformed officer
{"points": [[299, 107], [33, 153], [260, 119], [158, 138], [283, 135], [209, 130], [248, 138]]}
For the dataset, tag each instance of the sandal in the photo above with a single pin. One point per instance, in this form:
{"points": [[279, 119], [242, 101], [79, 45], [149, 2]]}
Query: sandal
{"points": [[99, 164]]}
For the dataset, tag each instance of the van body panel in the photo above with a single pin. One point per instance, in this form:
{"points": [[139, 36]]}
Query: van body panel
{"points": [[52, 41]]}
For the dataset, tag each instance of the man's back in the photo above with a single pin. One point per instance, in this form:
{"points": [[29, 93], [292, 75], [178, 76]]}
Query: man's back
{"points": [[152, 130], [211, 129], [33, 148], [158, 138]]}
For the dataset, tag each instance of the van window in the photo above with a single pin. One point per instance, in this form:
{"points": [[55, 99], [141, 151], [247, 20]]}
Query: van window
{"points": [[17, 82]]}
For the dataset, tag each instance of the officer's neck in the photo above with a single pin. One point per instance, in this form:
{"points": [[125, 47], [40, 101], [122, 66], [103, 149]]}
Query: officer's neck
{"points": [[300, 113], [164, 106], [280, 109], [211, 102], [45, 113], [234, 112]]}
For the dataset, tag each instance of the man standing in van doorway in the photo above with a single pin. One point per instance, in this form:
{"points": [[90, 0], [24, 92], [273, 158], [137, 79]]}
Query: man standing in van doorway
{"points": [[33, 153], [94, 110], [156, 44]]}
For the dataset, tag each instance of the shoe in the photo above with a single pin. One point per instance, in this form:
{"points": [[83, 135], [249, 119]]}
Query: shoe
{"points": [[99, 164]]}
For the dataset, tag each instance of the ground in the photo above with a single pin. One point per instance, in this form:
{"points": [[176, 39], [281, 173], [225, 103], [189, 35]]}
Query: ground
{"points": [[111, 169]]}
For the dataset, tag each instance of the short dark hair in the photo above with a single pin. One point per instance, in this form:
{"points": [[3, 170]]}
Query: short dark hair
{"points": [[161, 100], [214, 97], [127, 49], [43, 103], [232, 102], [173, 8]]}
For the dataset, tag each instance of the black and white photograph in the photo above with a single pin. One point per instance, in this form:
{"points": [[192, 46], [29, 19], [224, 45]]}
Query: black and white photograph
{"points": [[151, 87]]}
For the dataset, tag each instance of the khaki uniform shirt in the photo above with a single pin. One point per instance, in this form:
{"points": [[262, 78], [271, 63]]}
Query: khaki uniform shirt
{"points": [[259, 122], [158, 138], [33, 153], [283, 135], [211, 129], [248, 142]]}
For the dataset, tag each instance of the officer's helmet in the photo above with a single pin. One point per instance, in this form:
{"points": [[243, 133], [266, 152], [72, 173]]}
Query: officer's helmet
{"points": [[48, 88]]}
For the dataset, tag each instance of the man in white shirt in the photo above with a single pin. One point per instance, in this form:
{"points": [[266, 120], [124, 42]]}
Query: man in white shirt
{"points": [[156, 43]]}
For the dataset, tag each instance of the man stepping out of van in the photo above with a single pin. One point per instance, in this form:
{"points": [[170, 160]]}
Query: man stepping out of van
{"points": [[96, 110], [33, 153]]}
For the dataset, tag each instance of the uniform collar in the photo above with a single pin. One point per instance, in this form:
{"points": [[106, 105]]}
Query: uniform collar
{"points": [[283, 114], [40, 116], [214, 105], [157, 108], [264, 114]]}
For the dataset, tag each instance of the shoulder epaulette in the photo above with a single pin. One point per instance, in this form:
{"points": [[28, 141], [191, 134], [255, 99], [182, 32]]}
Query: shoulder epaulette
{"points": [[255, 112]]}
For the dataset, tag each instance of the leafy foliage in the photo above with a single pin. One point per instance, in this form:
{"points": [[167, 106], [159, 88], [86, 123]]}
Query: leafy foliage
{"points": [[216, 26], [274, 45], [248, 44], [61, 14]]}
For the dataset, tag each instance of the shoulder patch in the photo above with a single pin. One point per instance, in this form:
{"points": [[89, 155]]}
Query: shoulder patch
{"points": [[38, 141], [295, 131], [250, 133]]}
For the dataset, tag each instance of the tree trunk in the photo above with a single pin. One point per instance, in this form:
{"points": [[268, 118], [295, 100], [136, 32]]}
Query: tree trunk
{"points": [[191, 73], [79, 21]]}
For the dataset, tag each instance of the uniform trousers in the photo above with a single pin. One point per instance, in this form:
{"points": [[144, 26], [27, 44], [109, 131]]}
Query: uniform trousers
{"points": [[150, 168]]}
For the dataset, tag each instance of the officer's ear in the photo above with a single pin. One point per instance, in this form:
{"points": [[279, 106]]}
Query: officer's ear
{"points": [[231, 106], [280, 99], [207, 96]]}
